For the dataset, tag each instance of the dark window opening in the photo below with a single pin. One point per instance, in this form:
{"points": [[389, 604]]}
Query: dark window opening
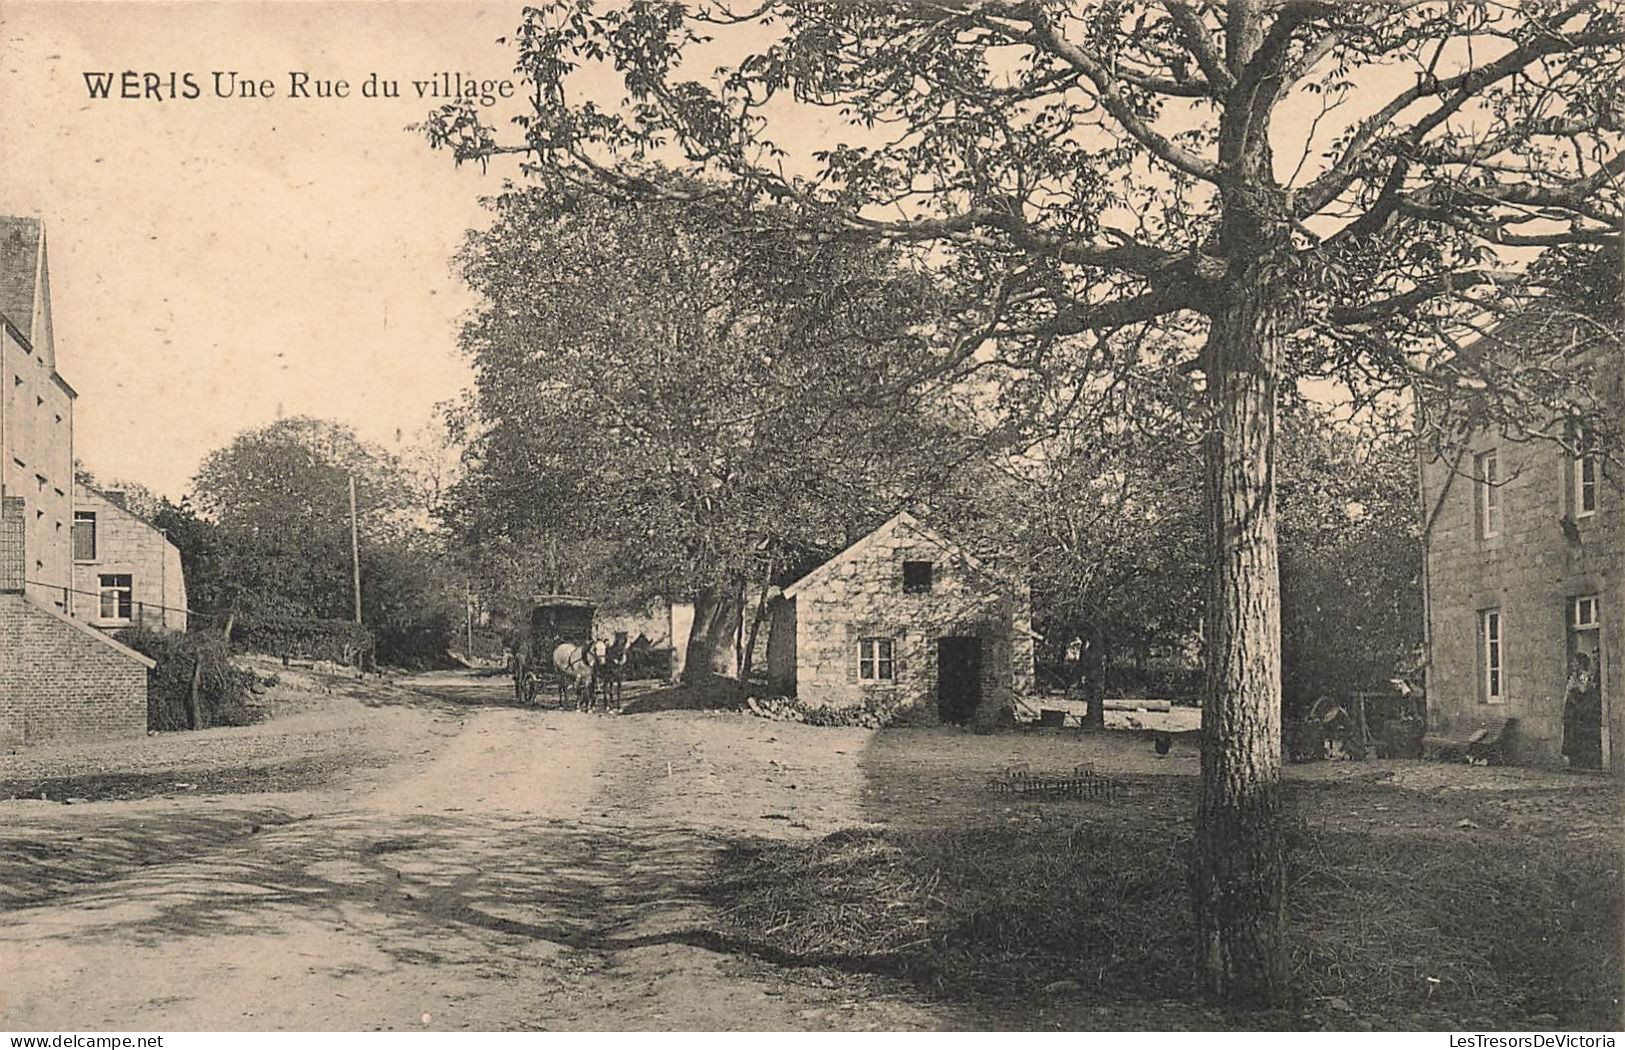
{"points": [[916, 577]]}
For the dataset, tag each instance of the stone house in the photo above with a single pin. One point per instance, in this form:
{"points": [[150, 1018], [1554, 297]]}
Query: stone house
{"points": [[1524, 566], [125, 571], [906, 622], [36, 412], [59, 678]]}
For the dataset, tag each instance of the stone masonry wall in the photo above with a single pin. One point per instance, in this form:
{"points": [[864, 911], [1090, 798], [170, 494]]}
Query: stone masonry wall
{"points": [[1542, 558], [127, 545], [58, 678], [57, 681]]}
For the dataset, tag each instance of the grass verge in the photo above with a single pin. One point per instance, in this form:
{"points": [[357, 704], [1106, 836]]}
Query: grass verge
{"points": [[1403, 929]]}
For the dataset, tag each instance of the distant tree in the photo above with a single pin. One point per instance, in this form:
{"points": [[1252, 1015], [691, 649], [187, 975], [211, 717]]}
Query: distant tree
{"points": [[412, 599], [1103, 511], [1351, 556], [431, 462], [1116, 545], [706, 406], [209, 585], [277, 502]]}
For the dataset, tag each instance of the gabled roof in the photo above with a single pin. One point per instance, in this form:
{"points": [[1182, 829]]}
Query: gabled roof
{"points": [[25, 283], [902, 519], [81, 491]]}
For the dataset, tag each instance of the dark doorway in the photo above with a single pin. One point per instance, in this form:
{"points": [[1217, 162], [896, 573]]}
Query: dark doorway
{"points": [[959, 678], [1585, 729]]}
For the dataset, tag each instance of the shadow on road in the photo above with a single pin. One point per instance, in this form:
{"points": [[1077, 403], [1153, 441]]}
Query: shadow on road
{"points": [[434, 889], [45, 863]]}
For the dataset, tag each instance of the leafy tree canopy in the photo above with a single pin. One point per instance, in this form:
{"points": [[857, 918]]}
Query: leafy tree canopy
{"points": [[707, 405], [278, 496], [1385, 170]]}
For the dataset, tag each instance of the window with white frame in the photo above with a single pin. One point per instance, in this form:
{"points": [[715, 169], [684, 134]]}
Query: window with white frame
{"points": [[117, 592], [1584, 613], [1492, 656], [875, 660], [1585, 476], [1487, 477]]}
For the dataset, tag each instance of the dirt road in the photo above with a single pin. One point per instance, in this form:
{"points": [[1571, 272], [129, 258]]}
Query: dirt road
{"points": [[496, 869]]}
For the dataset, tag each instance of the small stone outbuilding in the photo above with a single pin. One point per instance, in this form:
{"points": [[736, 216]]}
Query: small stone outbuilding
{"points": [[907, 623]]}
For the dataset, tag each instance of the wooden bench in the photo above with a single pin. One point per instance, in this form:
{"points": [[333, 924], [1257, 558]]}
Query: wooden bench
{"points": [[1473, 739]]}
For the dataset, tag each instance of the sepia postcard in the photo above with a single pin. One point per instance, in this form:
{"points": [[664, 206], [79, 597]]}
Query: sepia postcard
{"points": [[785, 515]]}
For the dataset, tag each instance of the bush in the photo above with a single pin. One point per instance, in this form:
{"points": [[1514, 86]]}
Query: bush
{"points": [[224, 689], [415, 646]]}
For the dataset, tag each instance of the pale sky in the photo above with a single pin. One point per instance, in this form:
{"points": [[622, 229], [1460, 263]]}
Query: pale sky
{"points": [[214, 260]]}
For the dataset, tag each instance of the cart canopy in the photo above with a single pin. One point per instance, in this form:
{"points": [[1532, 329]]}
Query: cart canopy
{"points": [[562, 616]]}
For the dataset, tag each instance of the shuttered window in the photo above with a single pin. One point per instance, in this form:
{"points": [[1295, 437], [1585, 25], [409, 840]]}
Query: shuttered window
{"points": [[84, 535]]}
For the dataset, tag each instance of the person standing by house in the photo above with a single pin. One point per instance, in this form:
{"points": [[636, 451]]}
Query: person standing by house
{"points": [[1582, 715]]}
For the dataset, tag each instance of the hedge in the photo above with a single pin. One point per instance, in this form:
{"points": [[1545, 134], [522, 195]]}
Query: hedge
{"points": [[340, 641]]}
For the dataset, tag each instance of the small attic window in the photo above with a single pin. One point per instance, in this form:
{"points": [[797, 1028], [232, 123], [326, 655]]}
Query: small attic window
{"points": [[916, 577]]}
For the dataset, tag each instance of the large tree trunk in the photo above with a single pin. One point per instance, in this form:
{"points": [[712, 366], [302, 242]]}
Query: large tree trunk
{"points": [[713, 644], [1239, 871]]}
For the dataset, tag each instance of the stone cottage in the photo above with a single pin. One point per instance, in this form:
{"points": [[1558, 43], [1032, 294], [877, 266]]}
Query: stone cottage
{"points": [[907, 622], [1524, 567], [125, 571]]}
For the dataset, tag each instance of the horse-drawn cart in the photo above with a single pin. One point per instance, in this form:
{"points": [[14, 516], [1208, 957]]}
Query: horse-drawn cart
{"points": [[555, 620], [557, 650]]}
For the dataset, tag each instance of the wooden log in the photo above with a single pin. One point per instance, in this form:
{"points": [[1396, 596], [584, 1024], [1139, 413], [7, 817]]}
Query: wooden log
{"points": [[1138, 705]]}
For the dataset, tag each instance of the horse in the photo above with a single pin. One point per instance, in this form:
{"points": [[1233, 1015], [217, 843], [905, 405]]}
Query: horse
{"points": [[520, 665], [578, 667], [612, 672]]}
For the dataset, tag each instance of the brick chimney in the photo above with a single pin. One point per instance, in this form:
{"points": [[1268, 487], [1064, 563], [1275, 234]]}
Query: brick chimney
{"points": [[13, 546]]}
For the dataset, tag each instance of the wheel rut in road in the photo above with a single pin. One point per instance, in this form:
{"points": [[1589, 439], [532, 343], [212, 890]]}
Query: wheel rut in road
{"points": [[537, 870]]}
